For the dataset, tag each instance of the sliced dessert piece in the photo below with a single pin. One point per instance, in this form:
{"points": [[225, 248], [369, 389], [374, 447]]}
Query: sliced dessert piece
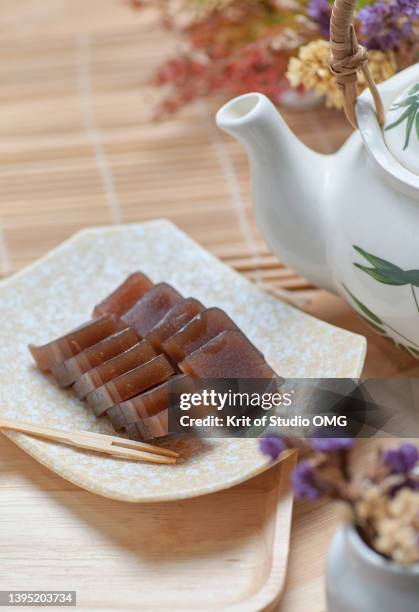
{"points": [[125, 296], [178, 316], [68, 371], [128, 385], [155, 426], [116, 417], [138, 354], [133, 432], [150, 402], [151, 308], [197, 332], [228, 355], [74, 342]]}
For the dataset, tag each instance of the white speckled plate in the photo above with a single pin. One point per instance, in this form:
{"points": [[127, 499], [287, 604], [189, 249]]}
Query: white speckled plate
{"points": [[58, 292]]}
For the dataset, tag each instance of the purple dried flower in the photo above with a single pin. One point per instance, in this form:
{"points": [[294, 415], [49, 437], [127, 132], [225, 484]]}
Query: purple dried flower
{"points": [[403, 459], [410, 7], [304, 482], [272, 446], [327, 445], [384, 24], [320, 11]]}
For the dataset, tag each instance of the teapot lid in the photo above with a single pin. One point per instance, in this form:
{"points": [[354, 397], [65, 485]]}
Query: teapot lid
{"points": [[386, 146], [387, 127], [401, 128]]}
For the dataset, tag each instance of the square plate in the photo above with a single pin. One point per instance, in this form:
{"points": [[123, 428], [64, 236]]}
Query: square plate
{"points": [[58, 293]]}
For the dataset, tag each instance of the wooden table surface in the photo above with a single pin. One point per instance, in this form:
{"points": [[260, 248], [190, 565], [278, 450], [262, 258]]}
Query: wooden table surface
{"points": [[77, 148]]}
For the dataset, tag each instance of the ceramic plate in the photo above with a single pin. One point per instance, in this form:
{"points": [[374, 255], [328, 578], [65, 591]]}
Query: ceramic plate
{"points": [[58, 293]]}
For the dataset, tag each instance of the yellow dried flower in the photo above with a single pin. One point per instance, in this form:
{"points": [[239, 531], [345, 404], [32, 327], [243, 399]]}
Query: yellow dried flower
{"points": [[393, 523], [372, 505], [311, 71]]}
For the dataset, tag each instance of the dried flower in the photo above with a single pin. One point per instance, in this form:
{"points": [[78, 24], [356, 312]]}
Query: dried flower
{"points": [[383, 503], [385, 25], [370, 504], [236, 46], [304, 481], [311, 71], [403, 459], [387, 511], [393, 523], [272, 446], [320, 12]]}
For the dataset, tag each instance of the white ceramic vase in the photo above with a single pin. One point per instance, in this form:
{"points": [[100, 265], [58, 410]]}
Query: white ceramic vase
{"points": [[360, 580]]}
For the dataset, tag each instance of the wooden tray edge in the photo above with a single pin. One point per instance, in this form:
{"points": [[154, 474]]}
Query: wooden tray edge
{"points": [[270, 593]]}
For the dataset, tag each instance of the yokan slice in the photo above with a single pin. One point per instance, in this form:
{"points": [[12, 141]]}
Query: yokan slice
{"points": [[128, 385], [197, 332], [68, 371], [128, 360], [150, 402], [133, 432], [151, 308], [74, 342], [155, 426], [178, 316], [116, 417], [125, 296], [228, 355]]}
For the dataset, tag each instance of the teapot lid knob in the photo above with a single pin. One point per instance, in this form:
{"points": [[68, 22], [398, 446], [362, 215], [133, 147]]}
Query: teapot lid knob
{"points": [[347, 57], [401, 128]]}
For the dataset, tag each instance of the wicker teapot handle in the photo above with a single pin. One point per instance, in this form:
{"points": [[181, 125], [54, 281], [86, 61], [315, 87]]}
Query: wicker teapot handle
{"points": [[347, 57]]}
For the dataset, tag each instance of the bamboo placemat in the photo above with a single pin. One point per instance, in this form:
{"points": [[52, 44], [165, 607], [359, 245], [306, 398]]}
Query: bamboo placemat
{"points": [[78, 148]]}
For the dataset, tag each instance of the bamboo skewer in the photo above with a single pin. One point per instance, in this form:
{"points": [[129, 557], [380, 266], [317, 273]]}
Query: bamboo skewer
{"points": [[100, 443]]}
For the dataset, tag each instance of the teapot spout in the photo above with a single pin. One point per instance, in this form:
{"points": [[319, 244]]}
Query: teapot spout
{"points": [[289, 182]]}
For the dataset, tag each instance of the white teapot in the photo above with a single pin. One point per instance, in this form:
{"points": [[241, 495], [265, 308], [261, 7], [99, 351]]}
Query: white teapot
{"points": [[349, 222]]}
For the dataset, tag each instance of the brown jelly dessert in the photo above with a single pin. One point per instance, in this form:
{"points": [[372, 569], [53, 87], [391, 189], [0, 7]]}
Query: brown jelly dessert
{"points": [[116, 417], [123, 361], [74, 342], [133, 432], [151, 308], [128, 360], [178, 316], [68, 371], [228, 355], [155, 426], [128, 385], [125, 296], [148, 403], [197, 332]]}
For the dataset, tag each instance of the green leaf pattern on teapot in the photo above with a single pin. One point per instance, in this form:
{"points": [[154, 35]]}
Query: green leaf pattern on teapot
{"points": [[410, 114], [386, 273]]}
